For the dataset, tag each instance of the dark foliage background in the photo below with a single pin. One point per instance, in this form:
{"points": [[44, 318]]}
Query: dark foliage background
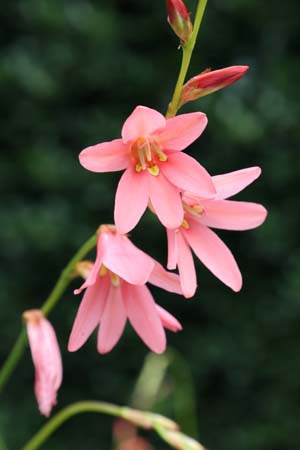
{"points": [[70, 73]]}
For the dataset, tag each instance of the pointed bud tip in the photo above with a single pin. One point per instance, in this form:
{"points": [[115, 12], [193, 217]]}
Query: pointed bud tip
{"points": [[179, 19]]}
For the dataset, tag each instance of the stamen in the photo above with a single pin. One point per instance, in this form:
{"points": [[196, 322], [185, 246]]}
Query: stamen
{"points": [[154, 170], [185, 224], [115, 280], [142, 157], [102, 271], [138, 168]]}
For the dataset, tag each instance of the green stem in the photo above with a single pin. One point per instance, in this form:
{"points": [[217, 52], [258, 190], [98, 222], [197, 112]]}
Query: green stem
{"points": [[77, 408], [187, 51], [56, 293]]}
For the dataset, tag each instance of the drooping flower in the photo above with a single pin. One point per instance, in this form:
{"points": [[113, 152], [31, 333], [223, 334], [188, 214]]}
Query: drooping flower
{"points": [[179, 19], [210, 81], [115, 291], [195, 234], [46, 359], [156, 169]]}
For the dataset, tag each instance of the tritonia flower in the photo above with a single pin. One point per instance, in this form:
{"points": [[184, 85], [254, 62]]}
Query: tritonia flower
{"points": [[46, 359], [116, 291], [156, 169], [195, 234]]}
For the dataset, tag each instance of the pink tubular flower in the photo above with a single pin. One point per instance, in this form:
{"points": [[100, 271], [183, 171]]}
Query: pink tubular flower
{"points": [[156, 169], [194, 233], [46, 359], [179, 19], [209, 81], [115, 291]]}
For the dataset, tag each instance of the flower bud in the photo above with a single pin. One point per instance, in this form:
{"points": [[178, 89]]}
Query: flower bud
{"points": [[179, 19], [46, 359], [210, 81], [179, 440]]}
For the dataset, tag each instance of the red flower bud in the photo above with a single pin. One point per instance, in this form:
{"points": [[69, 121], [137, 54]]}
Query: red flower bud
{"points": [[210, 81], [179, 19]]}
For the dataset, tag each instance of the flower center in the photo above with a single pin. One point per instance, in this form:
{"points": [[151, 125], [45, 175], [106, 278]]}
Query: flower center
{"points": [[146, 154]]}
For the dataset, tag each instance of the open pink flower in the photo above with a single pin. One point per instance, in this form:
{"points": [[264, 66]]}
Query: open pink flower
{"points": [[46, 359], [115, 291], [201, 213], [156, 170]]}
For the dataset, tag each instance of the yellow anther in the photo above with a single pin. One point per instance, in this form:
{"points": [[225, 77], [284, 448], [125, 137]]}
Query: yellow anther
{"points": [[199, 209], [185, 224], [102, 271], [154, 170], [115, 280], [162, 157], [138, 168]]}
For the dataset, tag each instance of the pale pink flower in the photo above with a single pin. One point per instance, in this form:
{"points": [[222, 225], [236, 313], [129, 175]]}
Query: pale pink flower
{"points": [[115, 291], [156, 169], [46, 359], [201, 213]]}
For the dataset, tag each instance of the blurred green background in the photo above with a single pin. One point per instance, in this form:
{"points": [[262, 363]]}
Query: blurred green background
{"points": [[70, 73]]}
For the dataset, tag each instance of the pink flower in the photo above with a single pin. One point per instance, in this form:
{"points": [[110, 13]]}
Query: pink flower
{"points": [[209, 81], [156, 169], [46, 359], [194, 233], [115, 291]]}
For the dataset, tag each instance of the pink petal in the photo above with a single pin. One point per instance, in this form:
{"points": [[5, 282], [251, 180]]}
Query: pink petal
{"points": [[231, 183], [166, 201], [164, 279], [46, 358], [172, 249], [131, 199], [186, 267], [144, 317], [231, 215], [93, 275], [89, 313], [188, 175], [113, 321], [127, 261], [168, 320], [142, 121], [214, 254], [182, 130], [106, 157]]}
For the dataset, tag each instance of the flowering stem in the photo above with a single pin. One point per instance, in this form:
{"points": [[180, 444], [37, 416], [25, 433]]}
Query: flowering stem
{"points": [[56, 293], [187, 51], [142, 419]]}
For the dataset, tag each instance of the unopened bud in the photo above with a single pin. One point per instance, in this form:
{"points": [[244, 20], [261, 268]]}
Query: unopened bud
{"points": [[179, 440], [210, 81], [179, 19]]}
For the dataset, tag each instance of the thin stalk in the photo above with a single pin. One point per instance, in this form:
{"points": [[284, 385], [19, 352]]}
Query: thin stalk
{"points": [[187, 51], [55, 295]]}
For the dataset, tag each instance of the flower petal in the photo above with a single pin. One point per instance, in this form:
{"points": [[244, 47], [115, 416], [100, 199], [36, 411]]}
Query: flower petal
{"points": [[172, 249], [231, 215], [164, 279], [166, 201], [186, 267], [168, 320], [112, 322], [127, 261], [144, 317], [188, 175], [214, 254], [131, 199], [89, 313], [142, 122], [105, 157], [231, 183], [182, 130]]}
